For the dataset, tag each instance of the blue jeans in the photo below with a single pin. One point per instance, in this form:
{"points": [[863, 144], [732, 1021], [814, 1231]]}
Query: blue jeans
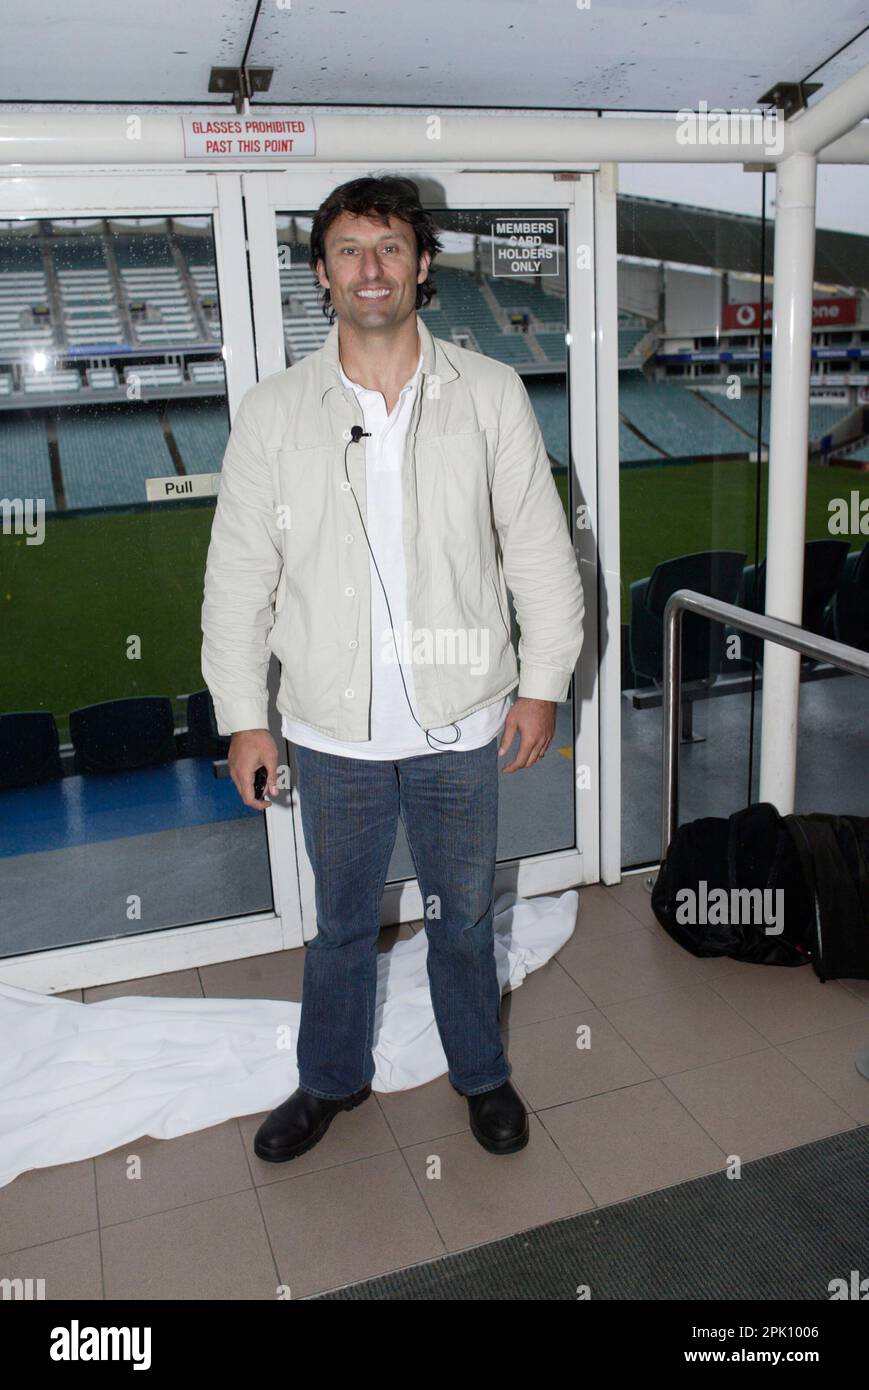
{"points": [[448, 802]]}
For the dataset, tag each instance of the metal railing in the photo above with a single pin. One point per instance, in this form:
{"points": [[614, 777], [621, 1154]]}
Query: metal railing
{"points": [[756, 625]]}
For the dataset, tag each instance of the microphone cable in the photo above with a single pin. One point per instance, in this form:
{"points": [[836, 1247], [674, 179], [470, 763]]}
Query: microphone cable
{"points": [[357, 433]]}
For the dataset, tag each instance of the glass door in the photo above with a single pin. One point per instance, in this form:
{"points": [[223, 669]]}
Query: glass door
{"points": [[125, 346], [515, 281]]}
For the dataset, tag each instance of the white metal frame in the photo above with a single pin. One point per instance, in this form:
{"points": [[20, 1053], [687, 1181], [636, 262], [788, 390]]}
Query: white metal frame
{"points": [[301, 190], [609, 512], [173, 948], [787, 488], [465, 137]]}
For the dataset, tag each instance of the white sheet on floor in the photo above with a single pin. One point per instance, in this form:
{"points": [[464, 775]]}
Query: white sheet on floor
{"points": [[82, 1079]]}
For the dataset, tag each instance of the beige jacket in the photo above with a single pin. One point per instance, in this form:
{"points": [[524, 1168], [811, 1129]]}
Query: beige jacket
{"points": [[288, 570]]}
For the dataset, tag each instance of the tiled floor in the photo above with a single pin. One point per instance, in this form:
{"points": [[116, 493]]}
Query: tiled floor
{"points": [[642, 1065]]}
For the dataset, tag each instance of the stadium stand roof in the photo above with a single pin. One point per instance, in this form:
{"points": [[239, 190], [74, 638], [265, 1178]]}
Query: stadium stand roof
{"points": [[663, 231]]}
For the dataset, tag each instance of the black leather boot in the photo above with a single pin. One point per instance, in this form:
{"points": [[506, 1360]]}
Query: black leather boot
{"points": [[300, 1123], [499, 1120]]}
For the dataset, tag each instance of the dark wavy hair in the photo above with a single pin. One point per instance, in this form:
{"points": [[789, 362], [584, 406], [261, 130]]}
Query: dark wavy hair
{"points": [[377, 198]]}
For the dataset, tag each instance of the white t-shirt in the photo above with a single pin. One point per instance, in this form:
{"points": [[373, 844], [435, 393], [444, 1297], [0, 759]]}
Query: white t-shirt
{"points": [[394, 734]]}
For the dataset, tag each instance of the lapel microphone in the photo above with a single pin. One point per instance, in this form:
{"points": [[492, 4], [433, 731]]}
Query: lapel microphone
{"points": [[357, 433]]}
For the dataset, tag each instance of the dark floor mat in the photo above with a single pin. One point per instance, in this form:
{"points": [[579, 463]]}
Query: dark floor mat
{"points": [[788, 1226]]}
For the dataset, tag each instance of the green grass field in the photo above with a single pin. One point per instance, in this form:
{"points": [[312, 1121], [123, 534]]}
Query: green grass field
{"points": [[71, 605], [710, 506]]}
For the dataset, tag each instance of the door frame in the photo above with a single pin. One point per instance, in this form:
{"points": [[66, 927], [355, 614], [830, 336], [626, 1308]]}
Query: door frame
{"points": [[301, 190], [149, 194]]}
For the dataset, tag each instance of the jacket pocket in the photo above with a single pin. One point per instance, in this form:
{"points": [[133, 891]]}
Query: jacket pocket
{"points": [[306, 495], [453, 478]]}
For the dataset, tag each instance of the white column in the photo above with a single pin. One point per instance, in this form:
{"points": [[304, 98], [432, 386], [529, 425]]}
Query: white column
{"points": [[793, 270]]}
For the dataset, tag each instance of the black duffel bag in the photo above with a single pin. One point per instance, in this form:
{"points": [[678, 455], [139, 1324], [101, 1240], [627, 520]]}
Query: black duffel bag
{"points": [[770, 889]]}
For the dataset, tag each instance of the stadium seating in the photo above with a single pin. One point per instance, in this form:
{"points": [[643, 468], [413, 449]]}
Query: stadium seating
{"points": [[201, 431], [23, 289], [674, 419], [859, 455], [198, 256], [848, 617], [208, 373], [87, 296], [525, 294], [555, 347], [149, 274], [107, 465], [823, 566], [101, 378], [743, 412], [123, 734], [154, 375], [25, 464], [823, 416], [549, 400], [305, 324], [715, 573], [464, 306], [106, 737], [628, 340], [63, 383], [629, 675], [201, 739], [437, 323], [632, 449], [544, 308], [29, 749]]}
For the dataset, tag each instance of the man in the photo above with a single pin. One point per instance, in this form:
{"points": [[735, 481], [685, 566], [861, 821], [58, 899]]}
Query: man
{"points": [[331, 553]]}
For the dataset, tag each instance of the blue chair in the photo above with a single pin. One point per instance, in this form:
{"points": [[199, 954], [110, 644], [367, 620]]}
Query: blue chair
{"points": [[715, 573], [202, 739], [823, 567], [849, 611], [629, 675], [29, 749], [119, 734]]}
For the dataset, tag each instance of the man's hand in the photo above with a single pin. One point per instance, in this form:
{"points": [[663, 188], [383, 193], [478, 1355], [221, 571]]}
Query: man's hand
{"points": [[248, 750], [535, 722]]}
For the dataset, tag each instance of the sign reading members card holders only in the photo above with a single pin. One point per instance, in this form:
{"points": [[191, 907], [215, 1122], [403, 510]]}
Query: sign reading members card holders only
{"points": [[179, 488], [525, 246]]}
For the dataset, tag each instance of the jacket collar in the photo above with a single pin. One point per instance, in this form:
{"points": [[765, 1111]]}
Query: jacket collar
{"points": [[435, 361]]}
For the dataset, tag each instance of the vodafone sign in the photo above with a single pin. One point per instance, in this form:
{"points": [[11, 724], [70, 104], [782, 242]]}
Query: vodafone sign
{"points": [[825, 313]]}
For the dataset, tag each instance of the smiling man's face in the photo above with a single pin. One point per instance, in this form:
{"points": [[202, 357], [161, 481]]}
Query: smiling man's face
{"points": [[373, 270]]}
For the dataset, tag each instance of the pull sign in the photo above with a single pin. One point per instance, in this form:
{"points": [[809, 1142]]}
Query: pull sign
{"points": [[242, 137], [176, 489]]}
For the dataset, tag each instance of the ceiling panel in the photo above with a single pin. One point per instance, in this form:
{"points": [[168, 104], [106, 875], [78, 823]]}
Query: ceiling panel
{"points": [[649, 55], [101, 50], [646, 55], [834, 73]]}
